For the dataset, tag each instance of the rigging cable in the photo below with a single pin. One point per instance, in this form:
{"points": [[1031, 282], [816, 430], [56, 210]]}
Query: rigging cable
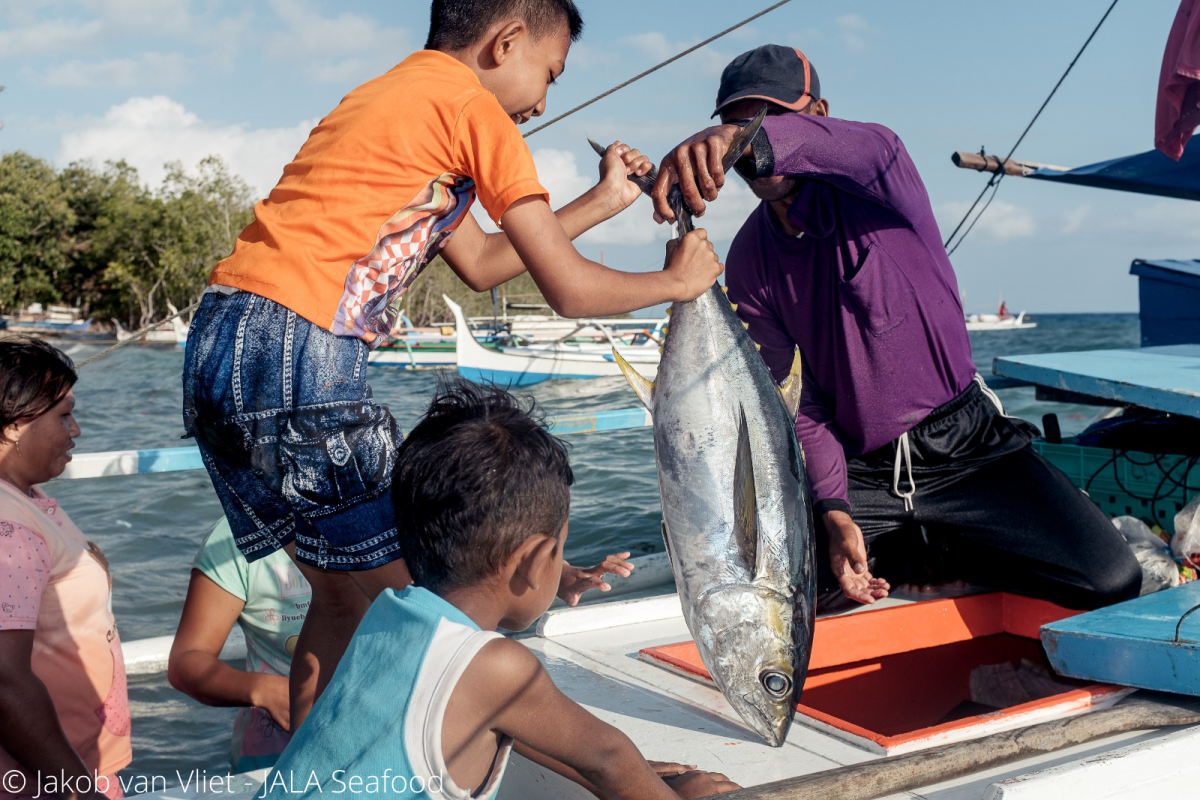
{"points": [[994, 182], [543, 126], [657, 67], [133, 337]]}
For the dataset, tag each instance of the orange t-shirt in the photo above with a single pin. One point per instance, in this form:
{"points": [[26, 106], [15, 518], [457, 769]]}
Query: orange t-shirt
{"points": [[376, 191]]}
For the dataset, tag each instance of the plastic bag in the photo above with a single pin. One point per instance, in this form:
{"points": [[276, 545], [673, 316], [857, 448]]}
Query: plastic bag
{"points": [[1158, 568], [1185, 544]]}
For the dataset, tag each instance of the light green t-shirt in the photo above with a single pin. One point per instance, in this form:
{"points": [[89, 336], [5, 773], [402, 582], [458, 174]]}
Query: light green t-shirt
{"points": [[276, 597]]}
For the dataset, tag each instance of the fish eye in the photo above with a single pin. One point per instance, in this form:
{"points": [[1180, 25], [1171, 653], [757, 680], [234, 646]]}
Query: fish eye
{"points": [[777, 684]]}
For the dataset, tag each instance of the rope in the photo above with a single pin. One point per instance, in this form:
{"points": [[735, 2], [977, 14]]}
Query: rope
{"points": [[1186, 614], [994, 183], [135, 336], [656, 68]]}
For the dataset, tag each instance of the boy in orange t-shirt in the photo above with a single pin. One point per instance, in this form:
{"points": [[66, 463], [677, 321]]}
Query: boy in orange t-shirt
{"points": [[274, 376]]}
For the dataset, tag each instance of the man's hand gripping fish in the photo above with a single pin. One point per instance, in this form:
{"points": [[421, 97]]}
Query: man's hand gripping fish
{"points": [[737, 519]]}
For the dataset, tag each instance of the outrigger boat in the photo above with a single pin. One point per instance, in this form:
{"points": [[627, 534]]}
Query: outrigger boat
{"points": [[1002, 320], [523, 365], [435, 347], [999, 322], [883, 711], [886, 682]]}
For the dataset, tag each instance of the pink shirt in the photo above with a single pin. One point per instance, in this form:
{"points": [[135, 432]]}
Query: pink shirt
{"points": [[55, 582]]}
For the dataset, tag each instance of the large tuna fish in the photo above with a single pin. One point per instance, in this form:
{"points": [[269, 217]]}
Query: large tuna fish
{"points": [[737, 519]]}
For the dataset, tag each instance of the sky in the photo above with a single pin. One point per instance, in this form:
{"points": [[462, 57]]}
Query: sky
{"points": [[154, 81]]}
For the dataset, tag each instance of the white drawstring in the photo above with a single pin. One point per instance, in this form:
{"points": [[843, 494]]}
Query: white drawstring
{"points": [[903, 452]]}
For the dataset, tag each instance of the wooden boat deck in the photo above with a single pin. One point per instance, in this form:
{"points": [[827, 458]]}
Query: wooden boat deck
{"points": [[592, 654]]}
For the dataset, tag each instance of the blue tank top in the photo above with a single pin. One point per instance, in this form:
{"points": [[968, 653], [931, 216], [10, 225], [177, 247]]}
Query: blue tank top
{"points": [[376, 731]]}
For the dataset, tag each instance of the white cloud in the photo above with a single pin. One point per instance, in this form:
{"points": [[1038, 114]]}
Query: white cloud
{"points": [[705, 62], [119, 26], [158, 68], [49, 36], [1164, 221], [1001, 222], [854, 31], [1073, 220], [105, 20], [148, 132], [338, 49], [173, 17]]}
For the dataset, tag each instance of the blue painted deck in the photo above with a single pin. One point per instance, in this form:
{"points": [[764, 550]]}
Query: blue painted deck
{"points": [[1152, 642], [1161, 378]]}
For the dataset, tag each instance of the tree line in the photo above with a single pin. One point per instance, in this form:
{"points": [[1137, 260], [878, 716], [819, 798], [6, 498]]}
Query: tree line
{"points": [[99, 239]]}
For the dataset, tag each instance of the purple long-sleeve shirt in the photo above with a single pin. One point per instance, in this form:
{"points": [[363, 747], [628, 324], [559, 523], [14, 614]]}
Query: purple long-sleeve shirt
{"points": [[866, 292]]}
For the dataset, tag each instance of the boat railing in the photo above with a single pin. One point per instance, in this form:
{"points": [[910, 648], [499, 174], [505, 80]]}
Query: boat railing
{"points": [[149, 656], [176, 459]]}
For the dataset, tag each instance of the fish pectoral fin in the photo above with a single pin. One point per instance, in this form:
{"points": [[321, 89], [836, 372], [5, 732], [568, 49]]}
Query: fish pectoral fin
{"points": [[643, 388], [745, 499], [789, 390]]}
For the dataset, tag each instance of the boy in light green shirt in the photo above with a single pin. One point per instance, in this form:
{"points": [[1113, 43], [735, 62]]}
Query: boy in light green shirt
{"points": [[268, 600]]}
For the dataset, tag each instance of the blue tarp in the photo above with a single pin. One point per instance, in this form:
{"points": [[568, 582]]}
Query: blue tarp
{"points": [[1145, 173]]}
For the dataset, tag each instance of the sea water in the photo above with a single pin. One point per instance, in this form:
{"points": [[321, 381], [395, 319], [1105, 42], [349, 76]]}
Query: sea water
{"points": [[150, 526]]}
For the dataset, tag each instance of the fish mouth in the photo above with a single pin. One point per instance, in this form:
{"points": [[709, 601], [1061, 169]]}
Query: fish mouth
{"points": [[773, 729]]}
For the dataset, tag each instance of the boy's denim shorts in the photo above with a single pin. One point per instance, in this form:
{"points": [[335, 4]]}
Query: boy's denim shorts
{"points": [[296, 448]]}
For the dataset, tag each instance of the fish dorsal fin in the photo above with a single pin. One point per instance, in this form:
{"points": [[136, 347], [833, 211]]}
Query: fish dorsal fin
{"points": [[789, 390], [745, 499], [643, 388]]}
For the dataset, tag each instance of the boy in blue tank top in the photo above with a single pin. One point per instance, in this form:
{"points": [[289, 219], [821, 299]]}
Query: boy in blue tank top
{"points": [[429, 700]]}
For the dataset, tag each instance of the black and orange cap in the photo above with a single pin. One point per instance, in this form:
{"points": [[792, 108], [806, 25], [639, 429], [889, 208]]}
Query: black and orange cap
{"points": [[781, 75]]}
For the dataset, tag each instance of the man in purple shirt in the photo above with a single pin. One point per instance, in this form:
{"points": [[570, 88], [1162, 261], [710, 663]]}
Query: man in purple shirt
{"points": [[907, 451]]}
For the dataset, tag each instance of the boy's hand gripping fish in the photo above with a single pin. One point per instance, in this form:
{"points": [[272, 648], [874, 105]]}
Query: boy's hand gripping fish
{"points": [[737, 519]]}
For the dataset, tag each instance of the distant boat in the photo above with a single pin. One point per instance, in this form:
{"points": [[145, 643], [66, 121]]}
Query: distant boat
{"points": [[529, 364], [172, 332], [1002, 320], [59, 322]]}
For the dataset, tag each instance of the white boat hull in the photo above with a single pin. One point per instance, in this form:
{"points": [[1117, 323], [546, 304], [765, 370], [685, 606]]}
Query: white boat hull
{"points": [[995, 322], [523, 366]]}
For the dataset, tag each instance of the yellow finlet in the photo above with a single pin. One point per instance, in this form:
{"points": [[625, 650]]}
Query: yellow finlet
{"points": [[757, 346], [643, 388], [666, 329], [725, 290], [745, 324], [733, 306], [668, 311], [789, 390]]}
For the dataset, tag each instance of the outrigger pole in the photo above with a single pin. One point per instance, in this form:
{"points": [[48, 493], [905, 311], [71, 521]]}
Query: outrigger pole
{"points": [[981, 162], [894, 774]]}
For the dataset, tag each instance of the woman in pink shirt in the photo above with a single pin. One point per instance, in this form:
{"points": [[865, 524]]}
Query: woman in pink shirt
{"points": [[64, 711]]}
